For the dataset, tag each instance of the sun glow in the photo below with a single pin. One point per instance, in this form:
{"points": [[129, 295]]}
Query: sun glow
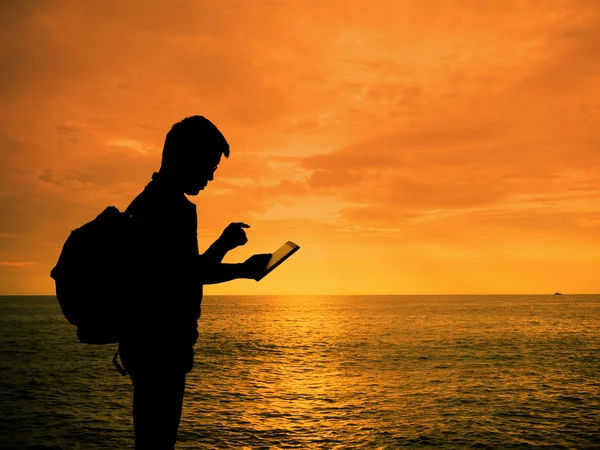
{"points": [[407, 147]]}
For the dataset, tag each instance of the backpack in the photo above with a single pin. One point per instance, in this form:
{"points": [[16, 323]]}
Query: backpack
{"points": [[94, 276]]}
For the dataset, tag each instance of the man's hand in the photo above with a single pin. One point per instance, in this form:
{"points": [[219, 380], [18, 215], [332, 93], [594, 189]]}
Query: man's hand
{"points": [[254, 266], [233, 236]]}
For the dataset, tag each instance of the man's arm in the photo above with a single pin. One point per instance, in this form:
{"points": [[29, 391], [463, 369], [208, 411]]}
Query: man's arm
{"points": [[215, 253], [233, 236], [220, 273], [211, 268]]}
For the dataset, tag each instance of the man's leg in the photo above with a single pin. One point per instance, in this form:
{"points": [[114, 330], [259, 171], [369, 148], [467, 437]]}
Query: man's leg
{"points": [[157, 404]]}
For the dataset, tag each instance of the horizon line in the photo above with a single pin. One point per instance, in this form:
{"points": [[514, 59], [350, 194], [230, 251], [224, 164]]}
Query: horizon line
{"points": [[346, 295]]}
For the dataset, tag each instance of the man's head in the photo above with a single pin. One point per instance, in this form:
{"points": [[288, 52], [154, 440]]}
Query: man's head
{"points": [[192, 152]]}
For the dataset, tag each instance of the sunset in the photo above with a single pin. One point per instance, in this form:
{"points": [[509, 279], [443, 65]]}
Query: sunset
{"points": [[436, 161], [409, 147]]}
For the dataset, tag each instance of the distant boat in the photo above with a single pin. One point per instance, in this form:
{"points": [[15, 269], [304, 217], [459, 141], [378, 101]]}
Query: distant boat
{"points": [[557, 293]]}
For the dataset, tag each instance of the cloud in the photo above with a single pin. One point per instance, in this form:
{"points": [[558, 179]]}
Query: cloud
{"points": [[106, 170], [20, 264], [71, 127], [333, 179]]}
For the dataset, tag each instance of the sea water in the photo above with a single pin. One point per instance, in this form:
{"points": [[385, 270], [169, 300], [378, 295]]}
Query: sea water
{"points": [[325, 372]]}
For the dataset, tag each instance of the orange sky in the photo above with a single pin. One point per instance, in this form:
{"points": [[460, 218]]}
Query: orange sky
{"points": [[408, 146]]}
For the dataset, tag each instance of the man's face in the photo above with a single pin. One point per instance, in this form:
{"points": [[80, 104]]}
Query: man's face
{"points": [[197, 176]]}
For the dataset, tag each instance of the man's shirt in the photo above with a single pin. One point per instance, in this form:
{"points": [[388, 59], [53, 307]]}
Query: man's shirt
{"points": [[167, 304]]}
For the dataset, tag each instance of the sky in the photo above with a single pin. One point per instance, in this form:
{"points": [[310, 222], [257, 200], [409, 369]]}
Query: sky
{"points": [[407, 146]]}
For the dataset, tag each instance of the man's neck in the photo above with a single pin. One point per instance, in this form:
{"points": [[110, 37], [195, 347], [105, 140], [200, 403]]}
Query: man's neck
{"points": [[166, 182]]}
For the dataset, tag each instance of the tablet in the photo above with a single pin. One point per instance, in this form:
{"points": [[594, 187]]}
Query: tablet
{"points": [[279, 256]]}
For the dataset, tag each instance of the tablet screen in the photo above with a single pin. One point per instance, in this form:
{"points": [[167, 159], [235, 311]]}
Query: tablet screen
{"points": [[279, 256]]}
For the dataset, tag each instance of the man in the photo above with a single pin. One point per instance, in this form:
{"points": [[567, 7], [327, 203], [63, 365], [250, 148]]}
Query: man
{"points": [[157, 350]]}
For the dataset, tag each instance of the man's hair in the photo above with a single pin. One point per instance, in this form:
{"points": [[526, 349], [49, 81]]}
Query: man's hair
{"points": [[191, 139]]}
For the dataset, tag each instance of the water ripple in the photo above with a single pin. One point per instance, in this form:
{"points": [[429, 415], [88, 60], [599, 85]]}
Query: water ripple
{"points": [[325, 372]]}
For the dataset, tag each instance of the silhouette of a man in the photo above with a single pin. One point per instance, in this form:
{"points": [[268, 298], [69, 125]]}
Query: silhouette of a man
{"points": [[157, 349]]}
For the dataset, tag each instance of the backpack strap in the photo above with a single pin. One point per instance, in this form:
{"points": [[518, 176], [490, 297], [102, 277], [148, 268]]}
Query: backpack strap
{"points": [[134, 205], [120, 368]]}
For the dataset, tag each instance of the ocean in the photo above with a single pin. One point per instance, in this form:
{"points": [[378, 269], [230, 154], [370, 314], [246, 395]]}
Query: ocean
{"points": [[326, 372]]}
